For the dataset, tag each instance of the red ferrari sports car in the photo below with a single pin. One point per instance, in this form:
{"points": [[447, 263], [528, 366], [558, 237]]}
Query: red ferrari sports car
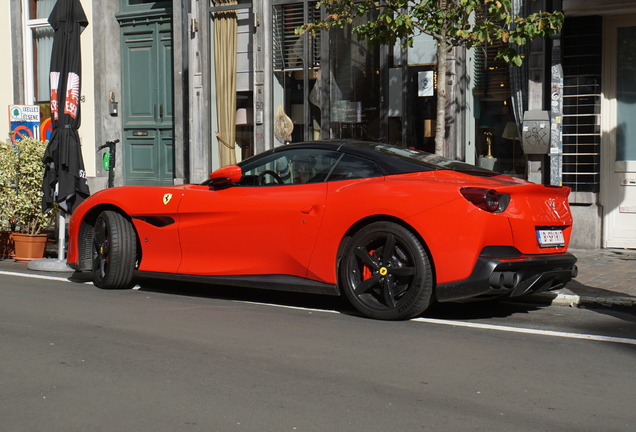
{"points": [[392, 228]]}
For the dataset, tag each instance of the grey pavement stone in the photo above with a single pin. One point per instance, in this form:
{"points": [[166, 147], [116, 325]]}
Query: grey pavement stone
{"points": [[606, 277]]}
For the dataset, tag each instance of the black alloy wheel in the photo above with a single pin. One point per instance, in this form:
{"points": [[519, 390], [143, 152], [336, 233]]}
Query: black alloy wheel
{"points": [[386, 273], [114, 251]]}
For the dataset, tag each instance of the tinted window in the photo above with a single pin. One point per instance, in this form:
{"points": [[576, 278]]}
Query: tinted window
{"points": [[296, 166], [354, 167]]}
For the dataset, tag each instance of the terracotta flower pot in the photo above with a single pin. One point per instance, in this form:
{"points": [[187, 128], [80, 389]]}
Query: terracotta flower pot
{"points": [[29, 246], [6, 244]]}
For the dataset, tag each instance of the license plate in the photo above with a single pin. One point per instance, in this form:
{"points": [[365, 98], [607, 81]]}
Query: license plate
{"points": [[548, 238]]}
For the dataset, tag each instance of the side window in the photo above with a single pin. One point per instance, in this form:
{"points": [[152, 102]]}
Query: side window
{"points": [[37, 50], [355, 167], [298, 166]]}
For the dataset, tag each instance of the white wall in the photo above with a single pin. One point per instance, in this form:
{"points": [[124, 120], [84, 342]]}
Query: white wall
{"points": [[6, 73]]}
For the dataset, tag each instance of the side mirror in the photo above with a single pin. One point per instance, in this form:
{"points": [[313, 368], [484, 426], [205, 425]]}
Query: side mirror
{"points": [[226, 174]]}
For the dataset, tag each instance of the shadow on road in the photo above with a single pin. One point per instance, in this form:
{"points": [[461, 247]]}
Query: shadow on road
{"points": [[479, 310], [457, 311], [591, 291], [450, 311]]}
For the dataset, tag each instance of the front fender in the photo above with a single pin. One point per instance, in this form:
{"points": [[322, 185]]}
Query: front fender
{"points": [[143, 206]]}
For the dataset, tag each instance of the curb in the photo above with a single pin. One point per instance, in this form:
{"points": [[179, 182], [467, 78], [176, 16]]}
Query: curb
{"points": [[573, 300]]}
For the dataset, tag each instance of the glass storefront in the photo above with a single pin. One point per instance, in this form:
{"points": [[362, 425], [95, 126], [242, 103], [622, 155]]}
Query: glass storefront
{"points": [[296, 93], [355, 101], [342, 88]]}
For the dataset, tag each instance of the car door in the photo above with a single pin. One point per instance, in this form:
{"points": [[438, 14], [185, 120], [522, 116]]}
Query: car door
{"points": [[262, 225]]}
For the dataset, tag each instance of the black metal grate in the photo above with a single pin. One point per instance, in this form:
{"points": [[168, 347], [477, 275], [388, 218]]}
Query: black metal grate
{"points": [[582, 55]]}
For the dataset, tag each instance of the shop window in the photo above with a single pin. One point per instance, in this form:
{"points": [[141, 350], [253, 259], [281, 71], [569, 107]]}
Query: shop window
{"points": [[498, 146], [355, 86], [296, 72]]}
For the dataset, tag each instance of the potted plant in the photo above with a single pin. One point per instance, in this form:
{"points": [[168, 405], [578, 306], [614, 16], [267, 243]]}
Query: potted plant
{"points": [[8, 162], [22, 172]]}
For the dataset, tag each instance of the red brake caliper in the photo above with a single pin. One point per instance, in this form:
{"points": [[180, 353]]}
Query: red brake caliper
{"points": [[367, 271]]}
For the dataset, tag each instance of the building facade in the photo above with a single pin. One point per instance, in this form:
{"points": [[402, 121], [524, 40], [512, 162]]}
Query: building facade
{"points": [[188, 86], [599, 148]]}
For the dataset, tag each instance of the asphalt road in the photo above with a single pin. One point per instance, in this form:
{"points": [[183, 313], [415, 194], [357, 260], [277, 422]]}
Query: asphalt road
{"points": [[195, 358]]}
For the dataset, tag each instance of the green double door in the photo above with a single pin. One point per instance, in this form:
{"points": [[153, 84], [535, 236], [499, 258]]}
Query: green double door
{"points": [[147, 86]]}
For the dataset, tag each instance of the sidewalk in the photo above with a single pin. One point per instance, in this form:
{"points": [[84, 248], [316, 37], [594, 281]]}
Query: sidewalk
{"points": [[606, 277]]}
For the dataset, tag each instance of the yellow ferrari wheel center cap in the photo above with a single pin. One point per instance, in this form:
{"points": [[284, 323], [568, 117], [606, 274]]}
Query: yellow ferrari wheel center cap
{"points": [[383, 271]]}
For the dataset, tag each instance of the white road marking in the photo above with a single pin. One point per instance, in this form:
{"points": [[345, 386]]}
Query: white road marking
{"points": [[527, 330], [35, 276], [597, 338], [288, 307], [55, 278]]}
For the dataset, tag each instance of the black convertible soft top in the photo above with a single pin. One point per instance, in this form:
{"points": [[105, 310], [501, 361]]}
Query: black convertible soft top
{"points": [[391, 159]]}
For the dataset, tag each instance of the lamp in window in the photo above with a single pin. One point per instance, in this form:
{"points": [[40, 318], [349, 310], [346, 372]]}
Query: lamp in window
{"points": [[244, 121], [511, 132], [243, 116], [487, 122]]}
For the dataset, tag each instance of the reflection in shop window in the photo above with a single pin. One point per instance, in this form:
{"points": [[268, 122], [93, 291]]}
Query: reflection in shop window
{"points": [[355, 87], [296, 71]]}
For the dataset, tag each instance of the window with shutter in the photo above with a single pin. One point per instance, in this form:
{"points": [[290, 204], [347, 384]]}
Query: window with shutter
{"points": [[289, 52]]}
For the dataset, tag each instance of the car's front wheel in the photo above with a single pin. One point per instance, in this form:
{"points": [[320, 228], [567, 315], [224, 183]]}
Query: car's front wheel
{"points": [[386, 273], [114, 251]]}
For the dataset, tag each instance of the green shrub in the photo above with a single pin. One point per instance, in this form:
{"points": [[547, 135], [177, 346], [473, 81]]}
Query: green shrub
{"points": [[21, 174]]}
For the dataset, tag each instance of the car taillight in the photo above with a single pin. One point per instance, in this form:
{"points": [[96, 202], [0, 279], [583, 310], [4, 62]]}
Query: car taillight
{"points": [[486, 199]]}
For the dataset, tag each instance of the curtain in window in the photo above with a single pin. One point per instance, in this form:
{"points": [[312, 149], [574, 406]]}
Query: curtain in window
{"points": [[42, 45], [43, 8], [43, 37], [225, 28]]}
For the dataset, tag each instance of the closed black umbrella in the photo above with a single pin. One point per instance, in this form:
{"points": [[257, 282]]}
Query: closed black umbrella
{"points": [[65, 177]]}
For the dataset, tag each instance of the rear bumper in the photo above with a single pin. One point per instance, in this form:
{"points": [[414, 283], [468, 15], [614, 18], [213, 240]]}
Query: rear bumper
{"points": [[495, 277]]}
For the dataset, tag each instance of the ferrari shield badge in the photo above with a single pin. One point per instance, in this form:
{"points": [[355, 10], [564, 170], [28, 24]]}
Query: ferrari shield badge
{"points": [[166, 198]]}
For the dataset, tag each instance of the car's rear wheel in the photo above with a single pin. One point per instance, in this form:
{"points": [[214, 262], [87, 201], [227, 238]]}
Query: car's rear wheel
{"points": [[114, 251], [386, 273]]}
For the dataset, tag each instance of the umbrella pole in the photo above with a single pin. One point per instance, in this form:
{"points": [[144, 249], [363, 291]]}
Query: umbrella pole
{"points": [[59, 264], [61, 236]]}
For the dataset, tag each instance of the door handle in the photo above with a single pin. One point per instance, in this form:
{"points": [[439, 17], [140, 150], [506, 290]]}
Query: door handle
{"points": [[161, 112], [307, 209]]}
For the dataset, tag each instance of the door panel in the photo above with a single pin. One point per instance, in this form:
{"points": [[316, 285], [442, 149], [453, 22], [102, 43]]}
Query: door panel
{"points": [[141, 157], [165, 73], [250, 230], [140, 78], [166, 157]]}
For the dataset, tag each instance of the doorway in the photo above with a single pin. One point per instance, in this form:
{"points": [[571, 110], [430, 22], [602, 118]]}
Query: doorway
{"points": [[147, 87], [618, 167]]}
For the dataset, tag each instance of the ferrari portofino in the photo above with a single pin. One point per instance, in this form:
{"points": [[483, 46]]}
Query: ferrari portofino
{"points": [[391, 228]]}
